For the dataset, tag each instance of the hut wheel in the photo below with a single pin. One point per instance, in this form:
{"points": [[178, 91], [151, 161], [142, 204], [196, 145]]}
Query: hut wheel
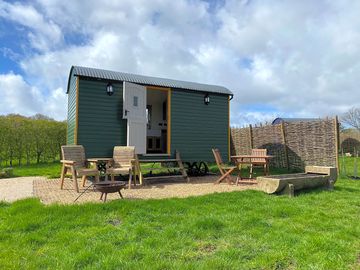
{"points": [[203, 168], [192, 168]]}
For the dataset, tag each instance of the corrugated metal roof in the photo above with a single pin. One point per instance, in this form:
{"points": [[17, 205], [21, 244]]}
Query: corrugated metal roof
{"points": [[146, 80]]}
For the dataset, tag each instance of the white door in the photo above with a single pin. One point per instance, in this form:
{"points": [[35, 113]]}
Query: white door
{"points": [[134, 110]]}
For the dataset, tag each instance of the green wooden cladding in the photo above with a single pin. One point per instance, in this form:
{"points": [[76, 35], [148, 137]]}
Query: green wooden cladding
{"points": [[196, 128], [101, 126], [71, 118]]}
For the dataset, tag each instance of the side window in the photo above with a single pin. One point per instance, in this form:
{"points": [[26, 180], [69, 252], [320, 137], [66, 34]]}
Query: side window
{"points": [[136, 99]]}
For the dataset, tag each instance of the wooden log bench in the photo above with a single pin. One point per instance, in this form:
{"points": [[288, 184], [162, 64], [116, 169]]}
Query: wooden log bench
{"points": [[314, 176]]}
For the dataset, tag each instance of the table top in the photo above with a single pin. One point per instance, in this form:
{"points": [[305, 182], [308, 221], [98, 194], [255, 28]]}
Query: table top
{"points": [[99, 159]]}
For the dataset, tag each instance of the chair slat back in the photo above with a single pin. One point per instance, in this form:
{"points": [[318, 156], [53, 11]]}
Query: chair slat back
{"points": [[74, 153], [123, 155], [217, 156], [258, 152]]}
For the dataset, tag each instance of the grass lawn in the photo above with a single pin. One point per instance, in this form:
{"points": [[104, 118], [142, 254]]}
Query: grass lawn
{"points": [[238, 230], [50, 170]]}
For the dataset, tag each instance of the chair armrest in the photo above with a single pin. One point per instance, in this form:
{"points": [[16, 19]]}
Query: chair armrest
{"points": [[70, 162], [110, 163]]}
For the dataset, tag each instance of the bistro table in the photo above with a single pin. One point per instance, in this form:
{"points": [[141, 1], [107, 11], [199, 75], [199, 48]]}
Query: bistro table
{"points": [[101, 164], [252, 160]]}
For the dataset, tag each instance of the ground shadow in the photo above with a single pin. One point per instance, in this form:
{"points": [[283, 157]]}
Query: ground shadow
{"points": [[284, 157]]}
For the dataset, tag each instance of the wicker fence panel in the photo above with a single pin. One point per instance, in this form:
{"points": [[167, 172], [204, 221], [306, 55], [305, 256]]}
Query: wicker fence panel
{"points": [[270, 137], [240, 141], [294, 145], [311, 143]]}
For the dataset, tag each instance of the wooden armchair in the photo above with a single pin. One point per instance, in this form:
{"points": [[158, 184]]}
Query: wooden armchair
{"points": [[258, 161], [75, 161], [224, 169], [124, 162]]}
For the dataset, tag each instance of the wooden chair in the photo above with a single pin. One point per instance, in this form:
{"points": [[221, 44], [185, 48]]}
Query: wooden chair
{"points": [[124, 162], [259, 162], [224, 169], [75, 161]]}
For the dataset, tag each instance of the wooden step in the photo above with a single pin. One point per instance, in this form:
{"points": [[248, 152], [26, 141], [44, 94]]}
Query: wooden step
{"points": [[164, 177], [157, 160]]}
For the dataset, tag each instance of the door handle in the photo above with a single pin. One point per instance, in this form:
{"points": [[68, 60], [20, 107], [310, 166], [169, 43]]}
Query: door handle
{"points": [[126, 112]]}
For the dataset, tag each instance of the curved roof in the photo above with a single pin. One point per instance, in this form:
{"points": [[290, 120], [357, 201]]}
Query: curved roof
{"points": [[145, 80], [279, 120]]}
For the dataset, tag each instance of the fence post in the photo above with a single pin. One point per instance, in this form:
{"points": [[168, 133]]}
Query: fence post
{"points": [[251, 138], [285, 146], [336, 129]]}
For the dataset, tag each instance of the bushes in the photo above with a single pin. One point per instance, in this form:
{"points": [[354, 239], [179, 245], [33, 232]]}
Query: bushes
{"points": [[6, 173], [25, 139]]}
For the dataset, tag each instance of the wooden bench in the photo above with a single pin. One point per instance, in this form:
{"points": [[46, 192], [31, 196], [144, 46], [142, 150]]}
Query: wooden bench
{"points": [[177, 160]]}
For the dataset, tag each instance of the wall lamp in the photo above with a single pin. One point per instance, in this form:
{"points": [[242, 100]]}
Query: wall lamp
{"points": [[109, 89], [206, 99]]}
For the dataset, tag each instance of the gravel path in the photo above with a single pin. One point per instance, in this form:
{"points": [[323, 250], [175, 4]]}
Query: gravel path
{"points": [[49, 190], [12, 189]]}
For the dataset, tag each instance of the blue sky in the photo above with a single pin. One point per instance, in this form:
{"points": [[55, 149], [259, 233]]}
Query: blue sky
{"points": [[280, 58]]}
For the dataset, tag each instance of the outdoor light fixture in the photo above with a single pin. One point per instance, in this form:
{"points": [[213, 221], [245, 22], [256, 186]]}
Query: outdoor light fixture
{"points": [[109, 89], [207, 99]]}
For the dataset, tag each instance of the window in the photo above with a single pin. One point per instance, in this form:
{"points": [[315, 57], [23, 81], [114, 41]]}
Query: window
{"points": [[136, 99]]}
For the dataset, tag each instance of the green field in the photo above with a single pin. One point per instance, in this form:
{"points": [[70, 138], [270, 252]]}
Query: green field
{"points": [[239, 230]]}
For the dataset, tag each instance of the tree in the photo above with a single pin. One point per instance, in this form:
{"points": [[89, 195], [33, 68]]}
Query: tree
{"points": [[352, 118], [3, 136], [41, 139], [56, 138], [30, 138]]}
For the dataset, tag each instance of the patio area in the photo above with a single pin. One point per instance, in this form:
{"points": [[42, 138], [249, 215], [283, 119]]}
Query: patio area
{"points": [[48, 190]]}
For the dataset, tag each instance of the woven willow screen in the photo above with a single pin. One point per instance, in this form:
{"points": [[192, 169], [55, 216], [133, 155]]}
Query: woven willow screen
{"points": [[293, 145]]}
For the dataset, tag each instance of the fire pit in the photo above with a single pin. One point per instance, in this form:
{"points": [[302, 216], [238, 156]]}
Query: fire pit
{"points": [[314, 176], [106, 187]]}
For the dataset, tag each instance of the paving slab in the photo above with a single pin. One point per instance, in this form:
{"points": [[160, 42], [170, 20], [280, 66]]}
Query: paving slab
{"points": [[49, 191], [12, 189]]}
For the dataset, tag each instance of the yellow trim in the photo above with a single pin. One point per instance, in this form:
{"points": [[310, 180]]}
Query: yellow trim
{"points": [[67, 124], [158, 88], [229, 129], [168, 113], [77, 112], [169, 122]]}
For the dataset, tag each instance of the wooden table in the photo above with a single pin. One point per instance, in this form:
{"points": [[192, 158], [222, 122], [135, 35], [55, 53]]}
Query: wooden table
{"points": [[249, 159], [101, 164]]}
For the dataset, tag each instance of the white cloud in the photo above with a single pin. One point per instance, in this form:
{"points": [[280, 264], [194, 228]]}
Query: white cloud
{"points": [[295, 58], [21, 98], [43, 33]]}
